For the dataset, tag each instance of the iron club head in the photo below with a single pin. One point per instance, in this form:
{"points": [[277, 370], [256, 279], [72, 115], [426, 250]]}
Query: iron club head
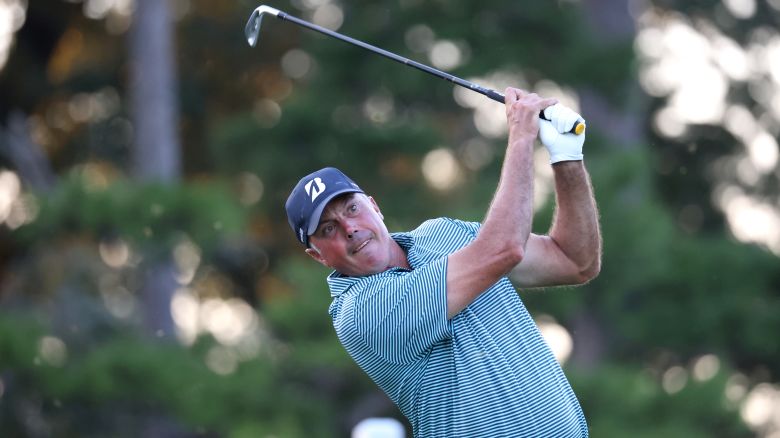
{"points": [[252, 29]]}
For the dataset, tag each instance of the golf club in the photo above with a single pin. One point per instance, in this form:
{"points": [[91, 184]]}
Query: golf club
{"points": [[252, 32]]}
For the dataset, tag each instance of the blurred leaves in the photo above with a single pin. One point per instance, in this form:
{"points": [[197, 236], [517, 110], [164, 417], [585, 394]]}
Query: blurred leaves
{"points": [[138, 377], [146, 214], [667, 294], [618, 399]]}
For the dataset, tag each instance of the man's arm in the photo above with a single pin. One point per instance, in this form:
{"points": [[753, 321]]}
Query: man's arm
{"points": [[571, 253], [501, 242]]}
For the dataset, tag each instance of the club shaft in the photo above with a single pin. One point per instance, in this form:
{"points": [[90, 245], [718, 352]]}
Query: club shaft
{"points": [[428, 69], [495, 95]]}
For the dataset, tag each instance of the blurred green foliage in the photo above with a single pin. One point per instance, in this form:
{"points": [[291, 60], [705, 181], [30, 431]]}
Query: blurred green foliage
{"points": [[129, 376], [621, 400], [71, 365], [150, 214]]}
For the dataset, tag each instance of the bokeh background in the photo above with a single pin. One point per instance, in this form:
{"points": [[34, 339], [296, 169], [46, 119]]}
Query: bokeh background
{"points": [[149, 282]]}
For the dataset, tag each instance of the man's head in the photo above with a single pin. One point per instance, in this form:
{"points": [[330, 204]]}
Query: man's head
{"points": [[310, 196], [341, 226]]}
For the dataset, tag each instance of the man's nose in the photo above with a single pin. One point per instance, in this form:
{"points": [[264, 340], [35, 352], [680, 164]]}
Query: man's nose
{"points": [[351, 229]]}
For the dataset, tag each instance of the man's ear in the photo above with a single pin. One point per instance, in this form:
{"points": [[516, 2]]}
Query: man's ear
{"points": [[376, 207], [313, 253]]}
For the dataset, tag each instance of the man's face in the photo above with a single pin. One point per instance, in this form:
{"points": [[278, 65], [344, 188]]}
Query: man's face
{"points": [[351, 237]]}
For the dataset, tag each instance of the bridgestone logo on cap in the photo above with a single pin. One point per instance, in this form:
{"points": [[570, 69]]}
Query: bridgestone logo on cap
{"points": [[316, 190]]}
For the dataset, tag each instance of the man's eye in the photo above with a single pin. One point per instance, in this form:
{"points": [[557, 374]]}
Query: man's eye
{"points": [[327, 229], [353, 208]]}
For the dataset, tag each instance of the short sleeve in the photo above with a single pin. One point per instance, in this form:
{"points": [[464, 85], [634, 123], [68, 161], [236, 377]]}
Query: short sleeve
{"points": [[403, 314], [471, 227]]}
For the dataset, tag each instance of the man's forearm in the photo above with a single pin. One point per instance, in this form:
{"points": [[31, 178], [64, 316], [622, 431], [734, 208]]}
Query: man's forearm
{"points": [[510, 214], [575, 227]]}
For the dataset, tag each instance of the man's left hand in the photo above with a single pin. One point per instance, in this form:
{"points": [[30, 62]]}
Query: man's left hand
{"points": [[554, 134]]}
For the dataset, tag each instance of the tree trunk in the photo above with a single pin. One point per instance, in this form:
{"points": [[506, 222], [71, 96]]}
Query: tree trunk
{"points": [[610, 22], [154, 93], [156, 154]]}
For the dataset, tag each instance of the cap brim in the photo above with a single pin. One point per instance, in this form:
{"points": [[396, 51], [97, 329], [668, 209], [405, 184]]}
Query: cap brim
{"points": [[314, 219]]}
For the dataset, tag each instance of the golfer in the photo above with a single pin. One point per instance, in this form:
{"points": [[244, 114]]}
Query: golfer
{"points": [[430, 315]]}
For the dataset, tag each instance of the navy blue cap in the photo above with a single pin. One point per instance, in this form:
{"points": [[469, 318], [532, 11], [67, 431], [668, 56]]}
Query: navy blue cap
{"points": [[310, 196]]}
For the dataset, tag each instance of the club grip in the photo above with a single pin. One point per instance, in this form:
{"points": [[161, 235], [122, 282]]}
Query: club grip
{"points": [[577, 129]]}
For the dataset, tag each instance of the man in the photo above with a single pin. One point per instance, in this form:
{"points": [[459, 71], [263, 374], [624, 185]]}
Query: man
{"points": [[430, 316]]}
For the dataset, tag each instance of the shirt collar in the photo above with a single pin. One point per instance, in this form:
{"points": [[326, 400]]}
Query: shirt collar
{"points": [[340, 283]]}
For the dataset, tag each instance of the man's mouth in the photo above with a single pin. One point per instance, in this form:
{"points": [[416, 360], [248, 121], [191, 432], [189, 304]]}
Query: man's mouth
{"points": [[361, 246]]}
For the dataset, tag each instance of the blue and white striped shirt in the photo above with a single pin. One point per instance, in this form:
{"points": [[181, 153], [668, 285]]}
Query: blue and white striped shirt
{"points": [[487, 372]]}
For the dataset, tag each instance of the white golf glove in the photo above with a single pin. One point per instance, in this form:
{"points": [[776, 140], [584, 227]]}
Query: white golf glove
{"points": [[555, 136]]}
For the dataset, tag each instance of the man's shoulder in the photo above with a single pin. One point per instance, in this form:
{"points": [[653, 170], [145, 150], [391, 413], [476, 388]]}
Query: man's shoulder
{"points": [[439, 237], [445, 226]]}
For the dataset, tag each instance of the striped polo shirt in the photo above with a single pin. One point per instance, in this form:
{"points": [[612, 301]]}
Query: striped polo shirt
{"points": [[487, 372]]}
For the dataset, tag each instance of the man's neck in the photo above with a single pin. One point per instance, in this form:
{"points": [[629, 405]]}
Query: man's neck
{"points": [[398, 257]]}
